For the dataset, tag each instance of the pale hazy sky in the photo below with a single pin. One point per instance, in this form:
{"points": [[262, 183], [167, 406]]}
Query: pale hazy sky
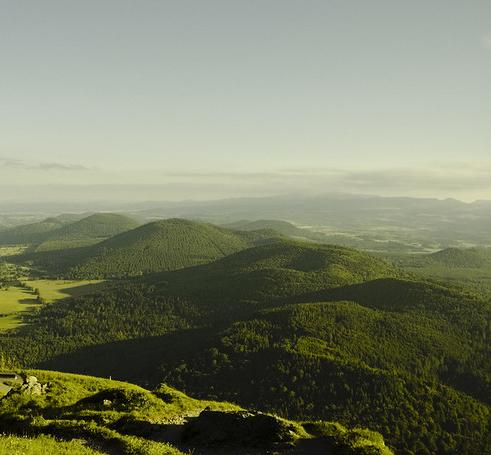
{"points": [[377, 96]]}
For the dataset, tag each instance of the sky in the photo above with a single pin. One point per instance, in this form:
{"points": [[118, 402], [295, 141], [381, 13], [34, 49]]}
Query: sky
{"points": [[205, 99]]}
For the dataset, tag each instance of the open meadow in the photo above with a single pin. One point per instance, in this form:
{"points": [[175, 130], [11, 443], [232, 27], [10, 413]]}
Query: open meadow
{"points": [[15, 300]]}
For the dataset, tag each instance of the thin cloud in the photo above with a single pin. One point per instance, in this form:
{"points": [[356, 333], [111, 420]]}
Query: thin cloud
{"points": [[60, 166], [451, 178], [43, 166]]}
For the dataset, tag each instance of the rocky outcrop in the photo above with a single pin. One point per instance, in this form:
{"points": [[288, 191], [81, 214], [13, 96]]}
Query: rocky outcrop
{"points": [[239, 429], [32, 386]]}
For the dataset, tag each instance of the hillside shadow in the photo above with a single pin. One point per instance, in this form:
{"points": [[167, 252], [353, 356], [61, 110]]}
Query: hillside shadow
{"points": [[83, 289], [386, 294], [32, 301], [137, 360]]}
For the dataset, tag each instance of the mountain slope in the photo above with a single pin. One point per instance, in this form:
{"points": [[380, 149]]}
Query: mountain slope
{"points": [[100, 416], [30, 233], [455, 257], [160, 245], [281, 269], [86, 231]]}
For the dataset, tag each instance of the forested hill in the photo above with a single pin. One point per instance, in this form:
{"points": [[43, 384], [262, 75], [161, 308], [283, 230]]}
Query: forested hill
{"points": [[30, 233], [283, 268], [161, 245], [92, 229], [458, 258], [452, 258], [67, 231]]}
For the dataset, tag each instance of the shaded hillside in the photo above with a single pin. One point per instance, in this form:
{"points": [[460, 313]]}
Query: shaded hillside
{"points": [[281, 269], [86, 231], [157, 246], [87, 415]]}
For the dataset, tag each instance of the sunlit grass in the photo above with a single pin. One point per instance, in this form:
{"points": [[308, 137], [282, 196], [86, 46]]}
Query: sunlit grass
{"points": [[15, 300]]}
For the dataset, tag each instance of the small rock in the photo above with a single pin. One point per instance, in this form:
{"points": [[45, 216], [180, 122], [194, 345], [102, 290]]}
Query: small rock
{"points": [[32, 386]]}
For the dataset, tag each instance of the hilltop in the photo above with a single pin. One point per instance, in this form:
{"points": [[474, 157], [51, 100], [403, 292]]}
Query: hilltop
{"points": [[157, 246], [90, 230], [32, 232], [88, 415], [283, 268], [67, 231], [461, 258]]}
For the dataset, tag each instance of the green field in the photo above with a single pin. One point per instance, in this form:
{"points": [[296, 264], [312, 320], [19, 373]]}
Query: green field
{"points": [[40, 445], [52, 290], [11, 250], [15, 300]]}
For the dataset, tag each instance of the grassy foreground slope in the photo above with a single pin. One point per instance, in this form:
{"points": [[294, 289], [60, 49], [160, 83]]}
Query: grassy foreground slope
{"points": [[87, 415], [41, 445]]}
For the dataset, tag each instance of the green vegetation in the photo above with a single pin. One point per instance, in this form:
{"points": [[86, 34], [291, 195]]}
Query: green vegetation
{"points": [[90, 415], [67, 231], [87, 231], [13, 302], [29, 233], [41, 445], [284, 268], [11, 250], [52, 290], [470, 267], [20, 297], [161, 245], [304, 330]]}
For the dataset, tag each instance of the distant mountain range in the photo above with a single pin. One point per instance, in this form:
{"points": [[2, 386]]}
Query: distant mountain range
{"points": [[366, 222]]}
